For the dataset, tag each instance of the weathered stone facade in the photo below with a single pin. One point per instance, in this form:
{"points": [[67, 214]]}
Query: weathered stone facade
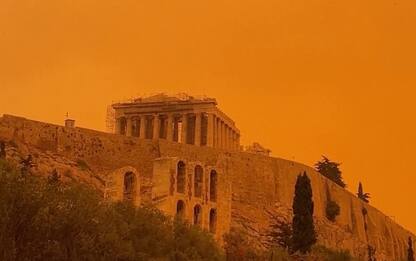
{"points": [[176, 178], [186, 120]]}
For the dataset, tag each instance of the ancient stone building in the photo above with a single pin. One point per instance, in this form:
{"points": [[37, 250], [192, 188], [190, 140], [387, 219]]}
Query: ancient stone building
{"points": [[185, 119], [211, 184]]}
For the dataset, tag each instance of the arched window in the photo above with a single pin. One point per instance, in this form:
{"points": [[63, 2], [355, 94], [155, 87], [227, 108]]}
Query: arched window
{"points": [[212, 220], [180, 209], [129, 186], [198, 215], [213, 186], [180, 180], [123, 125], [198, 180]]}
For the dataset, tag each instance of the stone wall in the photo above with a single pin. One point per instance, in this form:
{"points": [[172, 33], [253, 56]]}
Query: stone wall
{"points": [[252, 188]]}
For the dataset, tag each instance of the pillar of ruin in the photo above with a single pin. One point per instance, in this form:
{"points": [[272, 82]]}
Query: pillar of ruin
{"points": [[118, 126], [156, 126], [198, 119], [217, 133], [169, 126], [184, 128], [128, 126], [142, 134], [210, 130], [222, 146]]}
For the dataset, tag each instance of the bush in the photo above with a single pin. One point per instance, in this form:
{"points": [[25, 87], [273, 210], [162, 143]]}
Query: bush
{"points": [[332, 210]]}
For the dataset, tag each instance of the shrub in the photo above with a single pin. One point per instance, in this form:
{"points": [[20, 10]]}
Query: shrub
{"points": [[332, 210]]}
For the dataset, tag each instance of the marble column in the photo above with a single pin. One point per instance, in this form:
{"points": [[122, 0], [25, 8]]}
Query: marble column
{"points": [[217, 132], [198, 119], [211, 130], [128, 126], [142, 134], [169, 126], [156, 127], [184, 128], [118, 126], [222, 146]]}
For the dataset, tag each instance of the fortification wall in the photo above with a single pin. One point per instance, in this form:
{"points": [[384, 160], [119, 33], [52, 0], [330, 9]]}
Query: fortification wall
{"points": [[261, 186]]}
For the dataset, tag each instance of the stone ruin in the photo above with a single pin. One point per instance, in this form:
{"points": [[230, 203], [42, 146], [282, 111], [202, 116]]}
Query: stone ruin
{"points": [[183, 156]]}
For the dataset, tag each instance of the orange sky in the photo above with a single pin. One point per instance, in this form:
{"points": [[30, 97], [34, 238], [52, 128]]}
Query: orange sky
{"points": [[302, 77]]}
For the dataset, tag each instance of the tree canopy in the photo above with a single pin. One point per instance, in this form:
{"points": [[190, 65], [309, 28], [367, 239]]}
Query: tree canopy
{"points": [[331, 170]]}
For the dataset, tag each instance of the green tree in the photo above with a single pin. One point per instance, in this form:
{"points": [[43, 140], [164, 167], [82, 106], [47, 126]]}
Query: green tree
{"points": [[304, 235], [410, 254], [330, 170], [361, 195]]}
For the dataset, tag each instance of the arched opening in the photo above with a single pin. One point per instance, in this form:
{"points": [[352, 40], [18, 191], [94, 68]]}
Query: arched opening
{"points": [[198, 215], [212, 220], [180, 179], [129, 190], [198, 180], [213, 186], [123, 125], [180, 209]]}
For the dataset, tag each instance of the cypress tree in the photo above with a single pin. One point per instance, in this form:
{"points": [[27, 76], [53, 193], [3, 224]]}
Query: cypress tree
{"points": [[410, 254], [304, 235], [361, 195]]}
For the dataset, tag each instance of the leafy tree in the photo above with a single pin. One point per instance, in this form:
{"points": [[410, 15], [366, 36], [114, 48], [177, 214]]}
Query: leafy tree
{"points": [[332, 210], [330, 170], [281, 234], [304, 235], [361, 195], [410, 254]]}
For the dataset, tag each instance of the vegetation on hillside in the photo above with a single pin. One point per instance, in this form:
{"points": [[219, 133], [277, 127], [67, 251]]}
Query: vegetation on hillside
{"points": [[43, 219], [330, 169]]}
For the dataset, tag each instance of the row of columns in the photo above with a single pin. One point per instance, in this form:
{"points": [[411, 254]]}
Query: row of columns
{"points": [[200, 129]]}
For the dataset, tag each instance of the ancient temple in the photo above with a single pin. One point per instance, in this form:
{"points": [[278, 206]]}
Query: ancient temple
{"points": [[183, 119]]}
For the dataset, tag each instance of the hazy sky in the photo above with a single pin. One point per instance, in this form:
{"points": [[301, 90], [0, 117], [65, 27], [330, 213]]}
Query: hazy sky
{"points": [[302, 77]]}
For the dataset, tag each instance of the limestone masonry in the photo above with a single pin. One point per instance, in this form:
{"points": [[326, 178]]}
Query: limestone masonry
{"points": [[183, 155]]}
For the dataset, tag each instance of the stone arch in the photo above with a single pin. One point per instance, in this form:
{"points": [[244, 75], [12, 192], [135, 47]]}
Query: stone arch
{"points": [[180, 209], [198, 181], [124, 184], [213, 220], [198, 215], [181, 177], [129, 186], [213, 178]]}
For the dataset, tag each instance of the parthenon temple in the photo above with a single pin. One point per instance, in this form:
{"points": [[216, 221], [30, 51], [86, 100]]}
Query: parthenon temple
{"points": [[183, 119]]}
